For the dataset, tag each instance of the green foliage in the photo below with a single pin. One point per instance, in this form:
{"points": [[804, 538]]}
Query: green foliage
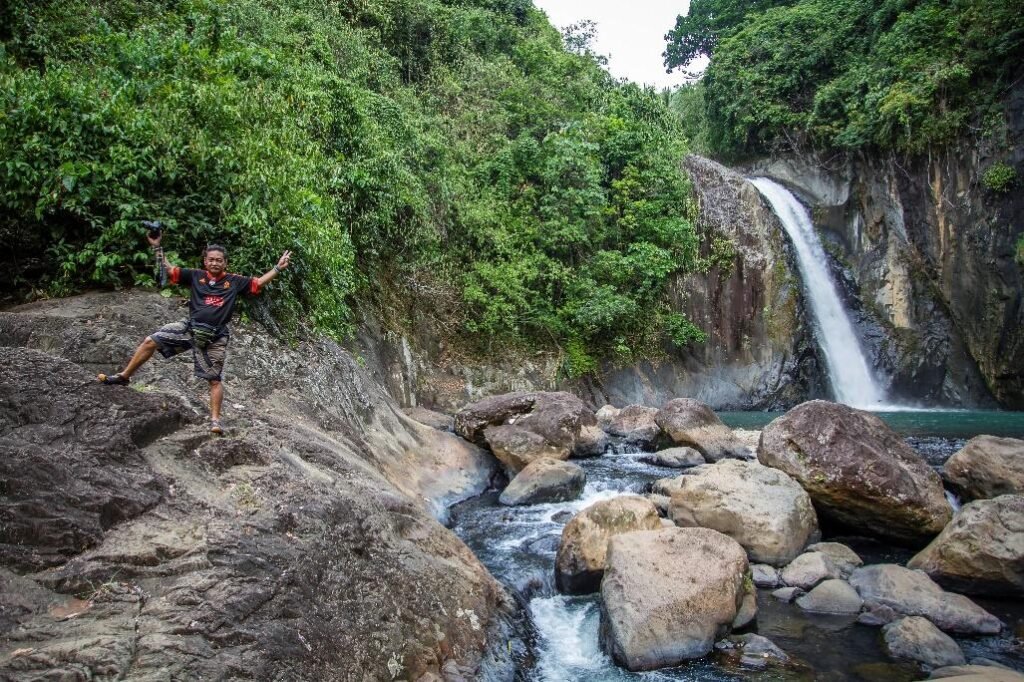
{"points": [[999, 178], [1019, 256], [891, 75], [456, 147]]}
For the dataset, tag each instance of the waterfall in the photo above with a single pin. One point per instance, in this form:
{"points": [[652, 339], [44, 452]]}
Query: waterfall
{"points": [[852, 381]]}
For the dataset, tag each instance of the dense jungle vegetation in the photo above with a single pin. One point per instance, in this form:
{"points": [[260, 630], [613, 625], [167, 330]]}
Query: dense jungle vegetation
{"points": [[903, 75], [459, 149]]}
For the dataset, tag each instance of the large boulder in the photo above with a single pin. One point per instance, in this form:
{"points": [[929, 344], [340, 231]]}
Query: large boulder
{"points": [[667, 595], [633, 425], [981, 551], [916, 639], [545, 480], [763, 509], [690, 422], [913, 593], [516, 447], [580, 562], [987, 467], [560, 419], [857, 470]]}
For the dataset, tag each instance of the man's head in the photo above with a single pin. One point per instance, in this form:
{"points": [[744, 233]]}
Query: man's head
{"points": [[215, 259]]}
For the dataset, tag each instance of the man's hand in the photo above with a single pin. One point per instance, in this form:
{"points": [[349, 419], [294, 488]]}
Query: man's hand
{"points": [[154, 242], [282, 263]]}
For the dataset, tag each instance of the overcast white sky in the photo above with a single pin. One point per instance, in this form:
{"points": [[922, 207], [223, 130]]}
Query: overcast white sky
{"points": [[630, 34]]}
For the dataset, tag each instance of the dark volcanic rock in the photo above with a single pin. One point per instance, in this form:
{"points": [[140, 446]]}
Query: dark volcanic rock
{"points": [[70, 464], [857, 470], [302, 546]]}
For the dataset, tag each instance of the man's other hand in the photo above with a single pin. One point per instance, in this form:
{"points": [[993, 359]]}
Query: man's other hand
{"points": [[284, 260], [155, 241]]}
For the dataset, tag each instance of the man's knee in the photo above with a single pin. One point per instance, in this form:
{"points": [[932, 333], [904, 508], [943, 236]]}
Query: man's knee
{"points": [[214, 383], [149, 343]]}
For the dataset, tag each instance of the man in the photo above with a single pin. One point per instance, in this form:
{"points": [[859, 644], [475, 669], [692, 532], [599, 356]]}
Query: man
{"points": [[214, 293]]}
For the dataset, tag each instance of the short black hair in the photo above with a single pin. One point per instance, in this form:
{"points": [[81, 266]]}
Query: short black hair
{"points": [[215, 247]]}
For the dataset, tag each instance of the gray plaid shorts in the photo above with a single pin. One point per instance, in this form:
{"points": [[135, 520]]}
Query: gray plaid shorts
{"points": [[208, 362]]}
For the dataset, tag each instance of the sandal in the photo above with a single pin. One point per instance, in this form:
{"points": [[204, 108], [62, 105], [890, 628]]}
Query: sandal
{"points": [[215, 427], [113, 379]]}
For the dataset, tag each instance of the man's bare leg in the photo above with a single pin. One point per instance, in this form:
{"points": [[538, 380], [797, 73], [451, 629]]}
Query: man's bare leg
{"points": [[143, 353], [216, 398]]}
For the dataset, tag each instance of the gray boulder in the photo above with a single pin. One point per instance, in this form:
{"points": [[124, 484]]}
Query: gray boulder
{"points": [[809, 569], [975, 673], [751, 651], [547, 424], [913, 593], [842, 557], [787, 594], [981, 551], [763, 509], [667, 595], [831, 596], [582, 554], [857, 470], [675, 458], [545, 480], [917, 639], [764, 575], [987, 467], [634, 425], [692, 423]]}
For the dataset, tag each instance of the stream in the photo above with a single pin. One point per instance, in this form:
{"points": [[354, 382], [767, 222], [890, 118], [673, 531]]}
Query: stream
{"points": [[518, 545]]}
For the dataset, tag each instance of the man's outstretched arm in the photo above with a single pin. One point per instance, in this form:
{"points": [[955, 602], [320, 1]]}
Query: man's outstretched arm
{"points": [[282, 263], [155, 243]]}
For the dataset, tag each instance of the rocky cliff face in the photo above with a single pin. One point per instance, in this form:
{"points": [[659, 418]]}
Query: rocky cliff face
{"points": [[758, 353], [927, 254], [304, 545]]}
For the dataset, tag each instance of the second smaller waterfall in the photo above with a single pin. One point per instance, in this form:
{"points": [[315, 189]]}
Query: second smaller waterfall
{"points": [[852, 381]]}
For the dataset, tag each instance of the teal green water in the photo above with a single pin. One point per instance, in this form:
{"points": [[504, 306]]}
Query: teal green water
{"points": [[941, 423]]}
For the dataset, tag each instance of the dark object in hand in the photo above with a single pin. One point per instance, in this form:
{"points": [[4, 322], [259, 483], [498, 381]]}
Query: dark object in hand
{"points": [[155, 228]]}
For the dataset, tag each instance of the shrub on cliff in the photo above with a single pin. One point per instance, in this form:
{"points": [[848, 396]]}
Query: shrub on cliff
{"points": [[396, 146]]}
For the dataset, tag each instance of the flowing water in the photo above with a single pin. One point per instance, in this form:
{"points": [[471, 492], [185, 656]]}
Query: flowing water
{"points": [[518, 545], [849, 374]]}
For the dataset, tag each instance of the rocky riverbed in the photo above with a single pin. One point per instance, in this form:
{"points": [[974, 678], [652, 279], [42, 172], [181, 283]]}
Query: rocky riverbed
{"points": [[308, 543]]}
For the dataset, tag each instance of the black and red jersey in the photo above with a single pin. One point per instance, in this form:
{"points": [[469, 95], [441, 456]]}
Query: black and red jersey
{"points": [[213, 299]]}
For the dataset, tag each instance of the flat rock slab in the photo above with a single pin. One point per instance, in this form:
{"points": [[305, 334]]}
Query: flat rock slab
{"points": [[986, 467], [981, 551], [580, 562], [763, 509], [667, 595], [913, 593], [917, 639], [858, 471], [975, 673], [545, 480], [436, 420]]}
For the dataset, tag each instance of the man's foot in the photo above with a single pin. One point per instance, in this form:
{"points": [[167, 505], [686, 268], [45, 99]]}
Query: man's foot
{"points": [[215, 427], [113, 379]]}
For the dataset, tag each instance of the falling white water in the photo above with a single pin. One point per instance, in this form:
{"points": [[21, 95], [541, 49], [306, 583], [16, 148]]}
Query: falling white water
{"points": [[852, 381]]}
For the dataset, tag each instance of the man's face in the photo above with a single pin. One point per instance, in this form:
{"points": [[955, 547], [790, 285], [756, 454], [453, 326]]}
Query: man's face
{"points": [[215, 263]]}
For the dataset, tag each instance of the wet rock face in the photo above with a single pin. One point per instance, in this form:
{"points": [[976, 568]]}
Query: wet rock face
{"points": [[299, 546], [981, 551], [667, 595], [857, 471], [581, 558], [763, 509], [987, 467]]}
